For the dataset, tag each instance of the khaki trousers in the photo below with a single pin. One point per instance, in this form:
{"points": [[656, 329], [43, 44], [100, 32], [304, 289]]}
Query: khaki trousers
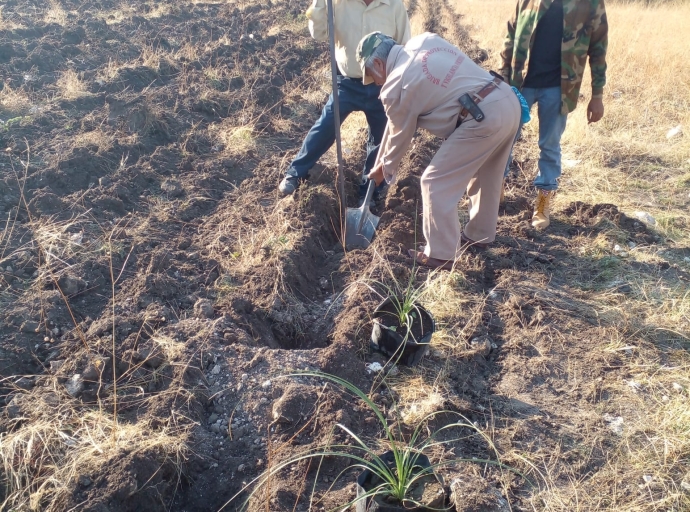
{"points": [[473, 158]]}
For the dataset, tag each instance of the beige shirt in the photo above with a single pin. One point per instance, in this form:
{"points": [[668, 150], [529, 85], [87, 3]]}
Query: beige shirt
{"points": [[353, 20], [424, 80]]}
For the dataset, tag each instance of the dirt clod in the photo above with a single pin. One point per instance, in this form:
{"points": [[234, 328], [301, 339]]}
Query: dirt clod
{"points": [[203, 308], [297, 401], [71, 285], [472, 493]]}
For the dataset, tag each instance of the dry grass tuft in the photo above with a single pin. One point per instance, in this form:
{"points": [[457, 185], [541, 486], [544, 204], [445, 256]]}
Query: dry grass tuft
{"points": [[9, 22], [55, 13], [235, 140], [71, 86], [14, 102], [418, 398], [98, 138], [109, 71], [44, 456]]}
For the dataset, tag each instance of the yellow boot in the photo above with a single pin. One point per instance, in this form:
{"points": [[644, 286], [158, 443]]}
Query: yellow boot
{"points": [[542, 207]]}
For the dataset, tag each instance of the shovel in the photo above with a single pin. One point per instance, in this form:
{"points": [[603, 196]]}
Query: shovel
{"points": [[360, 223]]}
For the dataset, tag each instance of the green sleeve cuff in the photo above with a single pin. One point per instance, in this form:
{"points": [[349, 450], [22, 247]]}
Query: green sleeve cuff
{"points": [[597, 92]]}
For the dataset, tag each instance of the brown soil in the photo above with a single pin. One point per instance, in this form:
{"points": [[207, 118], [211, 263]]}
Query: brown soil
{"points": [[143, 215]]}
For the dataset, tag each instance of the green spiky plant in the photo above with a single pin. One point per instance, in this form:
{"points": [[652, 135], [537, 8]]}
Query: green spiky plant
{"points": [[397, 479], [405, 297], [405, 301]]}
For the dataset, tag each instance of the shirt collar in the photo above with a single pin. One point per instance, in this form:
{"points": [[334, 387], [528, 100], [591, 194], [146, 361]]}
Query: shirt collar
{"points": [[387, 2], [393, 58]]}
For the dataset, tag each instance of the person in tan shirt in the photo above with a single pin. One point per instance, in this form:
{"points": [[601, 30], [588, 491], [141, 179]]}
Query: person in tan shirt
{"points": [[422, 82], [353, 19]]}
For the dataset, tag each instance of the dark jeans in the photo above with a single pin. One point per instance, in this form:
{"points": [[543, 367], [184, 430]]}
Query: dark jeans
{"points": [[353, 97]]}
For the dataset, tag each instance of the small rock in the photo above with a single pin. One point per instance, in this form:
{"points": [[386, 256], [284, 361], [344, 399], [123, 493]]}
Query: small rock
{"points": [[216, 370], [84, 481], [323, 283], [56, 365], [635, 386], [678, 388], [646, 218], [151, 356], [623, 288], [14, 408], [632, 245], [213, 418], [91, 372], [647, 478], [215, 428], [675, 132], [75, 385], [615, 423], [266, 384], [24, 383], [204, 308], [482, 345], [94, 368], [373, 368], [240, 468], [172, 187], [245, 376], [29, 327]]}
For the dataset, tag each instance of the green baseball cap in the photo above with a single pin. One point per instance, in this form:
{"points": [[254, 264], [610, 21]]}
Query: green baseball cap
{"points": [[366, 48]]}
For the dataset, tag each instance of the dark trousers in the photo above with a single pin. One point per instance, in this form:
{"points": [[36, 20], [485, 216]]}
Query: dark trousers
{"points": [[353, 96]]}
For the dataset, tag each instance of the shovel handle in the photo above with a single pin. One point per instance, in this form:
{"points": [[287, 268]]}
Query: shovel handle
{"points": [[336, 114], [370, 193]]}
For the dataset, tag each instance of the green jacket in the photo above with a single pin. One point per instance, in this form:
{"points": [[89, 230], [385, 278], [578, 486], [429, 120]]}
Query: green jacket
{"points": [[585, 34]]}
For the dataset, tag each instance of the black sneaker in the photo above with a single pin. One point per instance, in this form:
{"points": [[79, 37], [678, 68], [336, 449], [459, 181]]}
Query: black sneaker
{"points": [[289, 185]]}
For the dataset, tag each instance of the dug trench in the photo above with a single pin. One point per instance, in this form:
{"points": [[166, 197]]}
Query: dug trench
{"points": [[156, 290]]}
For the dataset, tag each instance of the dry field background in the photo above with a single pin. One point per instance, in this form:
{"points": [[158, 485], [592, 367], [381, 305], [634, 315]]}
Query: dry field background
{"points": [[153, 286]]}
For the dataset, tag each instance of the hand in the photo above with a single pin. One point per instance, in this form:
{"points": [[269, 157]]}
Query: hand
{"points": [[377, 174], [595, 110]]}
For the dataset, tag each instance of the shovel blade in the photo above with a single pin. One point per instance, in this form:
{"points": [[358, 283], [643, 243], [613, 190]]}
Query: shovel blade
{"points": [[360, 226]]}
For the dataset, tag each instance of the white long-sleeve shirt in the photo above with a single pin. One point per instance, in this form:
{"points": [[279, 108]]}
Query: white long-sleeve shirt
{"points": [[353, 20]]}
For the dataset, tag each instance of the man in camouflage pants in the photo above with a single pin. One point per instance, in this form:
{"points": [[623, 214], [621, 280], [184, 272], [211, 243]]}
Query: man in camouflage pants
{"points": [[544, 55]]}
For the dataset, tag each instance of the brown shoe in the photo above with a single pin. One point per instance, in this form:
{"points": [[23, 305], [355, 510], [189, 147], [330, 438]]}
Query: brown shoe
{"points": [[542, 209], [471, 244], [424, 260]]}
